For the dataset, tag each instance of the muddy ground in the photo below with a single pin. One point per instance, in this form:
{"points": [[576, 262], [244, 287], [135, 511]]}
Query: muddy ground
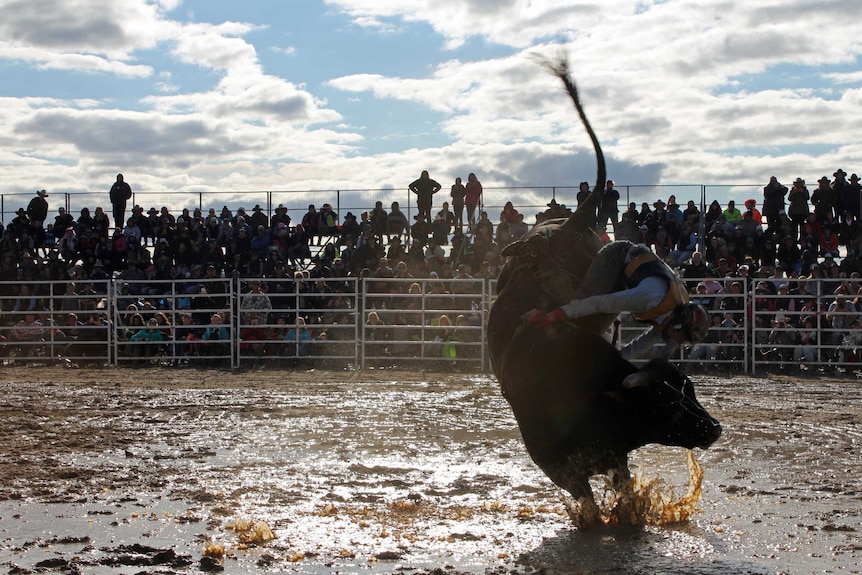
{"points": [[169, 470]]}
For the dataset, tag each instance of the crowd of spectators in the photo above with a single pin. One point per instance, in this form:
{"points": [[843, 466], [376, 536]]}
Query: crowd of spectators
{"points": [[65, 265], [778, 242], [797, 253]]}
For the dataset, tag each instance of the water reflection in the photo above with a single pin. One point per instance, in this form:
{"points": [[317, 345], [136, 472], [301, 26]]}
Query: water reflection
{"points": [[366, 476]]}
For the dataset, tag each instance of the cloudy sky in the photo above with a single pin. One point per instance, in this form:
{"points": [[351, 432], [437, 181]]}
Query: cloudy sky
{"points": [[202, 95]]}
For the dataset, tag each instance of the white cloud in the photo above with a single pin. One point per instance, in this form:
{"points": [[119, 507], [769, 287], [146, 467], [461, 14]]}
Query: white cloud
{"points": [[110, 29], [674, 89], [657, 84]]}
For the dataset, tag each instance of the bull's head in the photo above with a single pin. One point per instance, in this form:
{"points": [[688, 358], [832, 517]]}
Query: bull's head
{"points": [[672, 413]]}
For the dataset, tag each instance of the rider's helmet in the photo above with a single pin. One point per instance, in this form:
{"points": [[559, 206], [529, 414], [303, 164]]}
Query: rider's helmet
{"points": [[692, 320]]}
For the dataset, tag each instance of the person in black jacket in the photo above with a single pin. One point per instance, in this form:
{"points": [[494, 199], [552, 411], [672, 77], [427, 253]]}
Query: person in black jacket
{"points": [[37, 212], [120, 192]]}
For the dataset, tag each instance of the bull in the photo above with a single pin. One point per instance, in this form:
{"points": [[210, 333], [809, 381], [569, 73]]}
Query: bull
{"points": [[580, 406]]}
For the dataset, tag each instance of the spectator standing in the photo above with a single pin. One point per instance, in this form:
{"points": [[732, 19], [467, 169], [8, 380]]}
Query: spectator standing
{"points": [[310, 221], [583, 193], [378, 219], [773, 200], [838, 186], [609, 209], [396, 221], [458, 193], [120, 193], [852, 197], [424, 188], [472, 199], [37, 212], [798, 210], [824, 200]]}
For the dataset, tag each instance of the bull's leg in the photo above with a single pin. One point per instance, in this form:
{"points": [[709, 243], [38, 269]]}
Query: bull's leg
{"points": [[580, 503], [626, 509]]}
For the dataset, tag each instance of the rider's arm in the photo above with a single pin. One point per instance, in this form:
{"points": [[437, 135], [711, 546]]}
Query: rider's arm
{"points": [[645, 296], [644, 346]]}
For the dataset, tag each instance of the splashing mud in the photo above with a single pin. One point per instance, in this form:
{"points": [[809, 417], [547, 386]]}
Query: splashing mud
{"points": [[640, 501], [161, 471]]}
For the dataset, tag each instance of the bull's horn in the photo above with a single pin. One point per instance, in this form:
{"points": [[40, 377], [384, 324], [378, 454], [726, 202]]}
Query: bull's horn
{"points": [[584, 214], [637, 379]]}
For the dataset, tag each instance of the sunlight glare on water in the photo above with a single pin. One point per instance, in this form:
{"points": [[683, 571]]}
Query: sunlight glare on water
{"points": [[385, 476]]}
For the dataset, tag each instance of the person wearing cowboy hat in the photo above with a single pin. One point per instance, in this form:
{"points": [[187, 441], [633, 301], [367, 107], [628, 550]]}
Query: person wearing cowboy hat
{"points": [[279, 217], [258, 218], [839, 186], [350, 229], [853, 197], [839, 176], [19, 224], [825, 200], [554, 211], [798, 210], [37, 213]]}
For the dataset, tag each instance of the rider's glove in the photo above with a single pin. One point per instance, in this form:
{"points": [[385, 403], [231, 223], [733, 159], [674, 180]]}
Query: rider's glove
{"points": [[540, 320]]}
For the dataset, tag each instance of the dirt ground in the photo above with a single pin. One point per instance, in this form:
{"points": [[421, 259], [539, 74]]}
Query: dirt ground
{"points": [[38, 433], [782, 492]]}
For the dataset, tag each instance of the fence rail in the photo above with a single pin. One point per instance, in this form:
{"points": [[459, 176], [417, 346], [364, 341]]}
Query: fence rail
{"points": [[529, 200], [379, 322]]}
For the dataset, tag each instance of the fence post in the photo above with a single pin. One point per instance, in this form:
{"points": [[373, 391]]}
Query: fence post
{"points": [[235, 294]]}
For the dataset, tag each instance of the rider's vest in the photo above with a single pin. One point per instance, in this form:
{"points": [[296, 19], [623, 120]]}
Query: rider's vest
{"points": [[646, 265]]}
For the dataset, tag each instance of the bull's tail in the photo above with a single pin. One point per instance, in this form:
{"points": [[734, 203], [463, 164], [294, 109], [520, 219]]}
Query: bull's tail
{"points": [[584, 215]]}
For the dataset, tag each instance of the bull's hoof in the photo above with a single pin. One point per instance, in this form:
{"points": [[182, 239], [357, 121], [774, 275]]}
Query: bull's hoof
{"points": [[583, 511]]}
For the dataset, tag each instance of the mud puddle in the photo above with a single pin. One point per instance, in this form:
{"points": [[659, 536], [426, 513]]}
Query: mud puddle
{"points": [[149, 471]]}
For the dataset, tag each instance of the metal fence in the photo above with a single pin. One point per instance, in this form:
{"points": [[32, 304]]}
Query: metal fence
{"points": [[409, 323]]}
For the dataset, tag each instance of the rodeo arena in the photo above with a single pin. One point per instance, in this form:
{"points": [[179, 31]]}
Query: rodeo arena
{"points": [[310, 382], [382, 381], [330, 279]]}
